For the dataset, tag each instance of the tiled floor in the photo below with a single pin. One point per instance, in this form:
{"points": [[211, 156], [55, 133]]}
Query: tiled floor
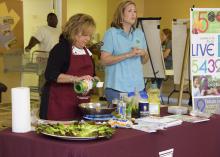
{"points": [[5, 108], [5, 115]]}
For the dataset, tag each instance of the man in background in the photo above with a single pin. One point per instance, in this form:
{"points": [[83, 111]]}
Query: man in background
{"points": [[46, 36]]}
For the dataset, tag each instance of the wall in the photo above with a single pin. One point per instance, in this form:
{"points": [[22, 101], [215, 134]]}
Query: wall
{"points": [[112, 5], [11, 8], [64, 12], [96, 8], [35, 15], [172, 9]]}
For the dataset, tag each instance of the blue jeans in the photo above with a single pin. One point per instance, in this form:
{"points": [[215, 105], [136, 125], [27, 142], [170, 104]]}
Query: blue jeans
{"points": [[111, 94]]}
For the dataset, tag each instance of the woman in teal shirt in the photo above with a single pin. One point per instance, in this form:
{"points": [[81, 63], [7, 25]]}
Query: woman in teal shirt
{"points": [[123, 53]]}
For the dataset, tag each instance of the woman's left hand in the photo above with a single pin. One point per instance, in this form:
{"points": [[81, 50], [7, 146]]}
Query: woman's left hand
{"points": [[139, 52]]}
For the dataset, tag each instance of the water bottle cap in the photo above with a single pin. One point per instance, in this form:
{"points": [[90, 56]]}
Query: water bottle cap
{"points": [[130, 94], [143, 95], [154, 85]]}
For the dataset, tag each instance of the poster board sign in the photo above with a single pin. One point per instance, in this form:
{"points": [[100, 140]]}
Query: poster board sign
{"points": [[205, 59], [179, 44], [151, 28], [7, 38]]}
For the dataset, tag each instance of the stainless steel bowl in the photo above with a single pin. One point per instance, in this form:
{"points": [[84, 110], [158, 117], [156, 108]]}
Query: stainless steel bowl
{"points": [[97, 108]]}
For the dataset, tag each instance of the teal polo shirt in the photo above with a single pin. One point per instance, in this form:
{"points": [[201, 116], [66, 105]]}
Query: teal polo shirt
{"points": [[127, 75]]}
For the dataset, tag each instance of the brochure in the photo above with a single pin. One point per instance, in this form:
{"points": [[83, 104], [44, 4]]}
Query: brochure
{"points": [[188, 118]]}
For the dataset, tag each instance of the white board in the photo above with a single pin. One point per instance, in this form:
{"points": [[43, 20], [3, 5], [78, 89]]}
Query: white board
{"points": [[179, 37], [151, 28]]}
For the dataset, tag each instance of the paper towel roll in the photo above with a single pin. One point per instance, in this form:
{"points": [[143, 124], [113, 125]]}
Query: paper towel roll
{"points": [[21, 115]]}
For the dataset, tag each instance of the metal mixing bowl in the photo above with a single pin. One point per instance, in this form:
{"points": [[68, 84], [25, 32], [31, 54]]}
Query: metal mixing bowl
{"points": [[97, 108]]}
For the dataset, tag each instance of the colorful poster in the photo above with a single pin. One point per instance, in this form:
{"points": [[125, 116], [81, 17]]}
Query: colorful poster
{"points": [[205, 59]]}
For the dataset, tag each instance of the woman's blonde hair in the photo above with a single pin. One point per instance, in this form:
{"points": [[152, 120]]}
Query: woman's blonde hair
{"points": [[119, 13], [78, 23]]}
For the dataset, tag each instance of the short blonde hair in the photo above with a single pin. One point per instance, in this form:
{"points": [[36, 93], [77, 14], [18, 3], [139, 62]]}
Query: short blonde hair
{"points": [[119, 13], [78, 23]]}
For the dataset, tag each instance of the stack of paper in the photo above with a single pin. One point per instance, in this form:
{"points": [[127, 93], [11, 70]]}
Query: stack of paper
{"points": [[147, 128], [187, 118], [152, 124], [166, 122]]}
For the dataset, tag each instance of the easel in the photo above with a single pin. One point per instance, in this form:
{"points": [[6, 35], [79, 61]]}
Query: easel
{"points": [[140, 23], [184, 64], [185, 60], [179, 77]]}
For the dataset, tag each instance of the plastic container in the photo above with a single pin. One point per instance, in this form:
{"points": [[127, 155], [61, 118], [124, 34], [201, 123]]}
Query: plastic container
{"points": [[122, 109], [128, 111], [84, 86], [133, 99], [154, 100]]}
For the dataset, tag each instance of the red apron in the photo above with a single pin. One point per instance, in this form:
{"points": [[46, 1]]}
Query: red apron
{"points": [[63, 101]]}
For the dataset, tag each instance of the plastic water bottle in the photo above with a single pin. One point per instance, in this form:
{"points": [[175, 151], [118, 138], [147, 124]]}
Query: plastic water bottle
{"points": [[84, 86], [154, 99], [133, 98], [128, 107], [122, 108]]}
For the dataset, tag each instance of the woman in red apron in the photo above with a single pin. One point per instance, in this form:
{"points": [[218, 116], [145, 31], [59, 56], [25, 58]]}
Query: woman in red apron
{"points": [[69, 61]]}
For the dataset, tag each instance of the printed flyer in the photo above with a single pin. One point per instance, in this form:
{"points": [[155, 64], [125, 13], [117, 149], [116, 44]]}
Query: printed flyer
{"points": [[205, 59], [7, 38]]}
